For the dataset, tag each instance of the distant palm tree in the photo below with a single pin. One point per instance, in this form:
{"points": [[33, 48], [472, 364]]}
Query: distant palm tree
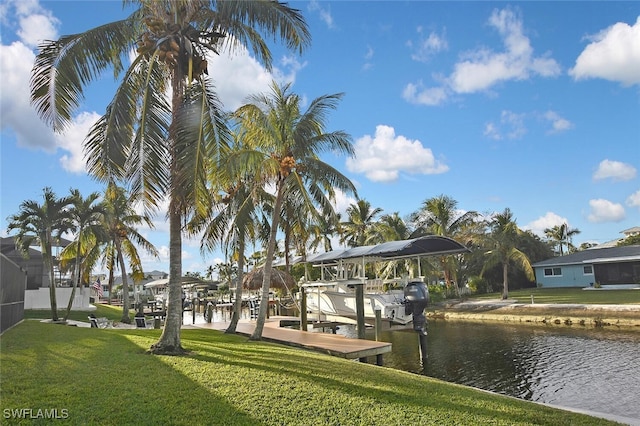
{"points": [[559, 235], [323, 231], [502, 240], [161, 147], [87, 215], [440, 216], [43, 224], [121, 222], [359, 224], [390, 227], [287, 143]]}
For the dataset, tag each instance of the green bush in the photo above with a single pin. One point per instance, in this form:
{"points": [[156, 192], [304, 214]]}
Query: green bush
{"points": [[479, 285], [436, 293]]}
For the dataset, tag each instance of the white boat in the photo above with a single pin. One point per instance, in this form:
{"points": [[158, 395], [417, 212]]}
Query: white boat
{"points": [[338, 299], [334, 294]]}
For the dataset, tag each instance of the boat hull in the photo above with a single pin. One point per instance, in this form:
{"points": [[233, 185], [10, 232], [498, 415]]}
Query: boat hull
{"points": [[343, 303]]}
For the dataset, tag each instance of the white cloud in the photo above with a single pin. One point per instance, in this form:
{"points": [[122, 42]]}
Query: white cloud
{"points": [[34, 29], [342, 202], [382, 157], [368, 56], [426, 47], [615, 170], [511, 126], [323, 12], [72, 142], [549, 220], [239, 75], [613, 54], [558, 123], [633, 200], [481, 69], [605, 211], [34, 23], [418, 94]]}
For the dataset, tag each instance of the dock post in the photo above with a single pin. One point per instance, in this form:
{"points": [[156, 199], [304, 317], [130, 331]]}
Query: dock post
{"points": [[209, 314], [423, 349], [360, 309], [303, 309], [378, 323]]}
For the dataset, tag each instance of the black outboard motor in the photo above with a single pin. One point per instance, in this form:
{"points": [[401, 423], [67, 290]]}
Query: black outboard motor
{"points": [[416, 296]]}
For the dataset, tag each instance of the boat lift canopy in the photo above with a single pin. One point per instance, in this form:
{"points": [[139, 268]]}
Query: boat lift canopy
{"points": [[430, 245]]}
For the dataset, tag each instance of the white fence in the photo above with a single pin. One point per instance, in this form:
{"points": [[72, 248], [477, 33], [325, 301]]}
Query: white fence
{"points": [[39, 299]]}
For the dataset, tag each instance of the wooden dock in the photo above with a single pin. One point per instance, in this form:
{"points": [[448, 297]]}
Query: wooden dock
{"points": [[331, 344]]}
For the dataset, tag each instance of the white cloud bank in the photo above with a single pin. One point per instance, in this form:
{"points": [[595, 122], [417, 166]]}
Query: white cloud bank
{"points": [[483, 68], [605, 211], [549, 220], [613, 54], [615, 170], [383, 156]]}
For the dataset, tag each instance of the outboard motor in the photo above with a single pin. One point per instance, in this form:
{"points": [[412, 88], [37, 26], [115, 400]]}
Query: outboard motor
{"points": [[416, 296]]}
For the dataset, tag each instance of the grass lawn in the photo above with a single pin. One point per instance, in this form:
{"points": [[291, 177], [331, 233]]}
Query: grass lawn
{"points": [[569, 295], [98, 376]]}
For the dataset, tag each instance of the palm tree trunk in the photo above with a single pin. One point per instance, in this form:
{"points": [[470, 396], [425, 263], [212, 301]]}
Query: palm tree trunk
{"points": [[169, 342], [125, 287], [237, 305], [47, 258], [268, 265], [76, 278], [505, 281]]}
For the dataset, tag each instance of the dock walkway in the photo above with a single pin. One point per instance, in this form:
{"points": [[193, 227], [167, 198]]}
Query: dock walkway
{"points": [[331, 344]]}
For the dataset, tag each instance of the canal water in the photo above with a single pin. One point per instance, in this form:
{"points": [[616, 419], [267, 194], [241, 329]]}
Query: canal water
{"points": [[595, 370]]}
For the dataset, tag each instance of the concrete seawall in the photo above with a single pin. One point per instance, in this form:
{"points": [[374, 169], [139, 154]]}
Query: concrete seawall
{"points": [[568, 315]]}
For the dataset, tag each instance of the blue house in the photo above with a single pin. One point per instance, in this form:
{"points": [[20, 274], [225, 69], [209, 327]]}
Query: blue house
{"points": [[596, 266]]}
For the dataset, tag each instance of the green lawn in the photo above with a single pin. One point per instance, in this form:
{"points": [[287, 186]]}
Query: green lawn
{"points": [[569, 295], [97, 376]]}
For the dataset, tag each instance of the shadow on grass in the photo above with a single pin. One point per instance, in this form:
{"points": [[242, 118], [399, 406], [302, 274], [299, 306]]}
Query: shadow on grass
{"points": [[331, 383], [102, 377]]}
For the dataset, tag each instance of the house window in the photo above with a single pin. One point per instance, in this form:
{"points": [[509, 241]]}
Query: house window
{"points": [[587, 270], [552, 272]]}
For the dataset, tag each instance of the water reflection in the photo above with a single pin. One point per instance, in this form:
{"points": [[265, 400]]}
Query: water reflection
{"points": [[586, 369]]}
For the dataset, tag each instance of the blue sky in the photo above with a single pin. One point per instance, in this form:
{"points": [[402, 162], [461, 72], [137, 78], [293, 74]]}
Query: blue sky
{"points": [[534, 106]]}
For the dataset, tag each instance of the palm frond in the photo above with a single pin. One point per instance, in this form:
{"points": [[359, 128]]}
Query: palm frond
{"points": [[64, 67]]}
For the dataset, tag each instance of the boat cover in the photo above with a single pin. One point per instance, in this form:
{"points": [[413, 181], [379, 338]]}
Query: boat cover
{"points": [[430, 245]]}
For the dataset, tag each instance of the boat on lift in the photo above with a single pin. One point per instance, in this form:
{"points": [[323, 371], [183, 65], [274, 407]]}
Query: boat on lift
{"points": [[334, 295]]}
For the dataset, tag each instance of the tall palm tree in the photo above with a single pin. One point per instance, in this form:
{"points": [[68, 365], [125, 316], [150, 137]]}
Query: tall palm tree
{"points": [[287, 143], [230, 221], [360, 220], [121, 222], [440, 216], [43, 224], [160, 146], [559, 235], [503, 238], [87, 215]]}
